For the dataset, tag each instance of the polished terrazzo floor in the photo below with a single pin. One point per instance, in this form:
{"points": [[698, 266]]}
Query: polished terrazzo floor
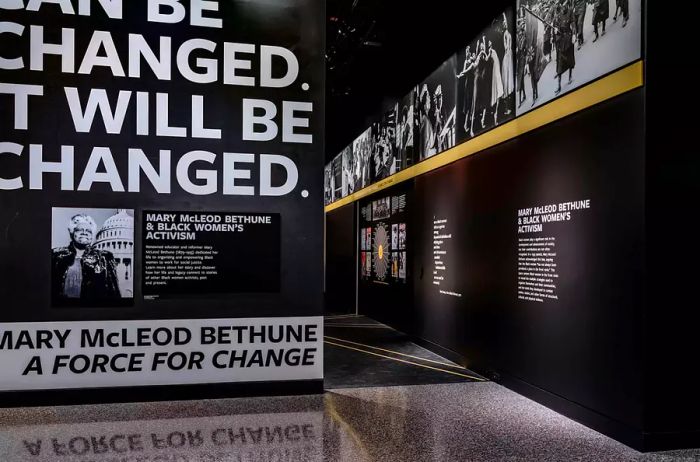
{"points": [[427, 418], [479, 421]]}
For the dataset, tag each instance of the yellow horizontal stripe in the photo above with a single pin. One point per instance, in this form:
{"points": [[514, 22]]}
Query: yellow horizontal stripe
{"points": [[404, 361], [617, 83], [394, 352]]}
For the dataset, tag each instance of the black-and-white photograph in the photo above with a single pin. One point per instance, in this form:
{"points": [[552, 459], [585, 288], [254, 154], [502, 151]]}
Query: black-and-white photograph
{"points": [[402, 236], [381, 208], [362, 152], [384, 149], [337, 170], [92, 257], [402, 265], [437, 110], [327, 188], [405, 130], [347, 161], [395, 236], [563, 44], [486, 79]]}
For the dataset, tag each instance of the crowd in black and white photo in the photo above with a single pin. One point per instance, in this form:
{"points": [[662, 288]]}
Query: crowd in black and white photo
{"points": [[381, 209], [562, 44], [382, 150], [522, 60]]}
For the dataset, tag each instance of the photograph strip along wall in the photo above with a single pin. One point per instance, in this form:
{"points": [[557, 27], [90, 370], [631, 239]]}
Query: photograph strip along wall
{"points": [[523, 60]]}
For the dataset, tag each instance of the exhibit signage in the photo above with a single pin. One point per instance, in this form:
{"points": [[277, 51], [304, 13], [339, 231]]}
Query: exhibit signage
{"points": [[159, 169], [39, 356], [185, 253], [383, 242]]}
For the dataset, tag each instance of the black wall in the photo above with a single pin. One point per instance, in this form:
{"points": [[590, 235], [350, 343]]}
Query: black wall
{"points": [[671, 397], [583, 353], [26, 214], [586, 346], [341, 260], [617, 350], [391, 301]]}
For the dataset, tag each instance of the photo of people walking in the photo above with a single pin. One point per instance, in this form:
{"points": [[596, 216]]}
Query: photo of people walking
{"points": [[564, 44]]}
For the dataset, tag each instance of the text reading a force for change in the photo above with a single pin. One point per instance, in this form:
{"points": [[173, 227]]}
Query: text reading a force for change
{"points": [[255, 348]]}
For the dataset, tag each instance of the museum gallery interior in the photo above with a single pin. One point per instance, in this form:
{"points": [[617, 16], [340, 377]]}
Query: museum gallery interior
{"points": [[347, 230]]}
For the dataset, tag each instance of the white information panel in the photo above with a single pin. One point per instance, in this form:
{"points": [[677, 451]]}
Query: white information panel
{"points": [[63, 355]]}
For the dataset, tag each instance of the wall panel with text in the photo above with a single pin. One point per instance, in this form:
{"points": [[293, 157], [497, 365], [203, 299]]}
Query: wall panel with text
{"points": [[385, 255], [160, 180], [529, 258]]}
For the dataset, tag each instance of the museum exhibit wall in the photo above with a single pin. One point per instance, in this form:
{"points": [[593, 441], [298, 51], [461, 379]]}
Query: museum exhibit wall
{"points": [[507, 71], [580, 348], [555, 310], [542, 261], [160, 199], [385, 287], [474, 246]]}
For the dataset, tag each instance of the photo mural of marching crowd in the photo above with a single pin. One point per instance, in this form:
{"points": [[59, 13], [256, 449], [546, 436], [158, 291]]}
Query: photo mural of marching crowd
{"points": [[564, 44], [525, 58]]}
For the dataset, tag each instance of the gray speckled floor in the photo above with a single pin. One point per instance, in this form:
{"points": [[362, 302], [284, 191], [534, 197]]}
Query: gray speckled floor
{"points": [[450, 422]]}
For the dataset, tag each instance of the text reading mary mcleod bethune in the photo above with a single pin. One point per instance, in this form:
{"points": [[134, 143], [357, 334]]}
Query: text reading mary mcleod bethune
{"points": [[196, 253], [185, 226], [167, 97], [538, 267], [261, 346]]}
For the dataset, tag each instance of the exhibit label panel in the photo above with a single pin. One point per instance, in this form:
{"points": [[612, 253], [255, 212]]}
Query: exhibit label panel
{"points": [[127, 353], [159, 178], [533, 254]]}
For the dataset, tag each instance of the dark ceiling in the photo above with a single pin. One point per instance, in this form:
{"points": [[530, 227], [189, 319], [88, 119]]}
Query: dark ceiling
{"points": [[377, 50]]}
